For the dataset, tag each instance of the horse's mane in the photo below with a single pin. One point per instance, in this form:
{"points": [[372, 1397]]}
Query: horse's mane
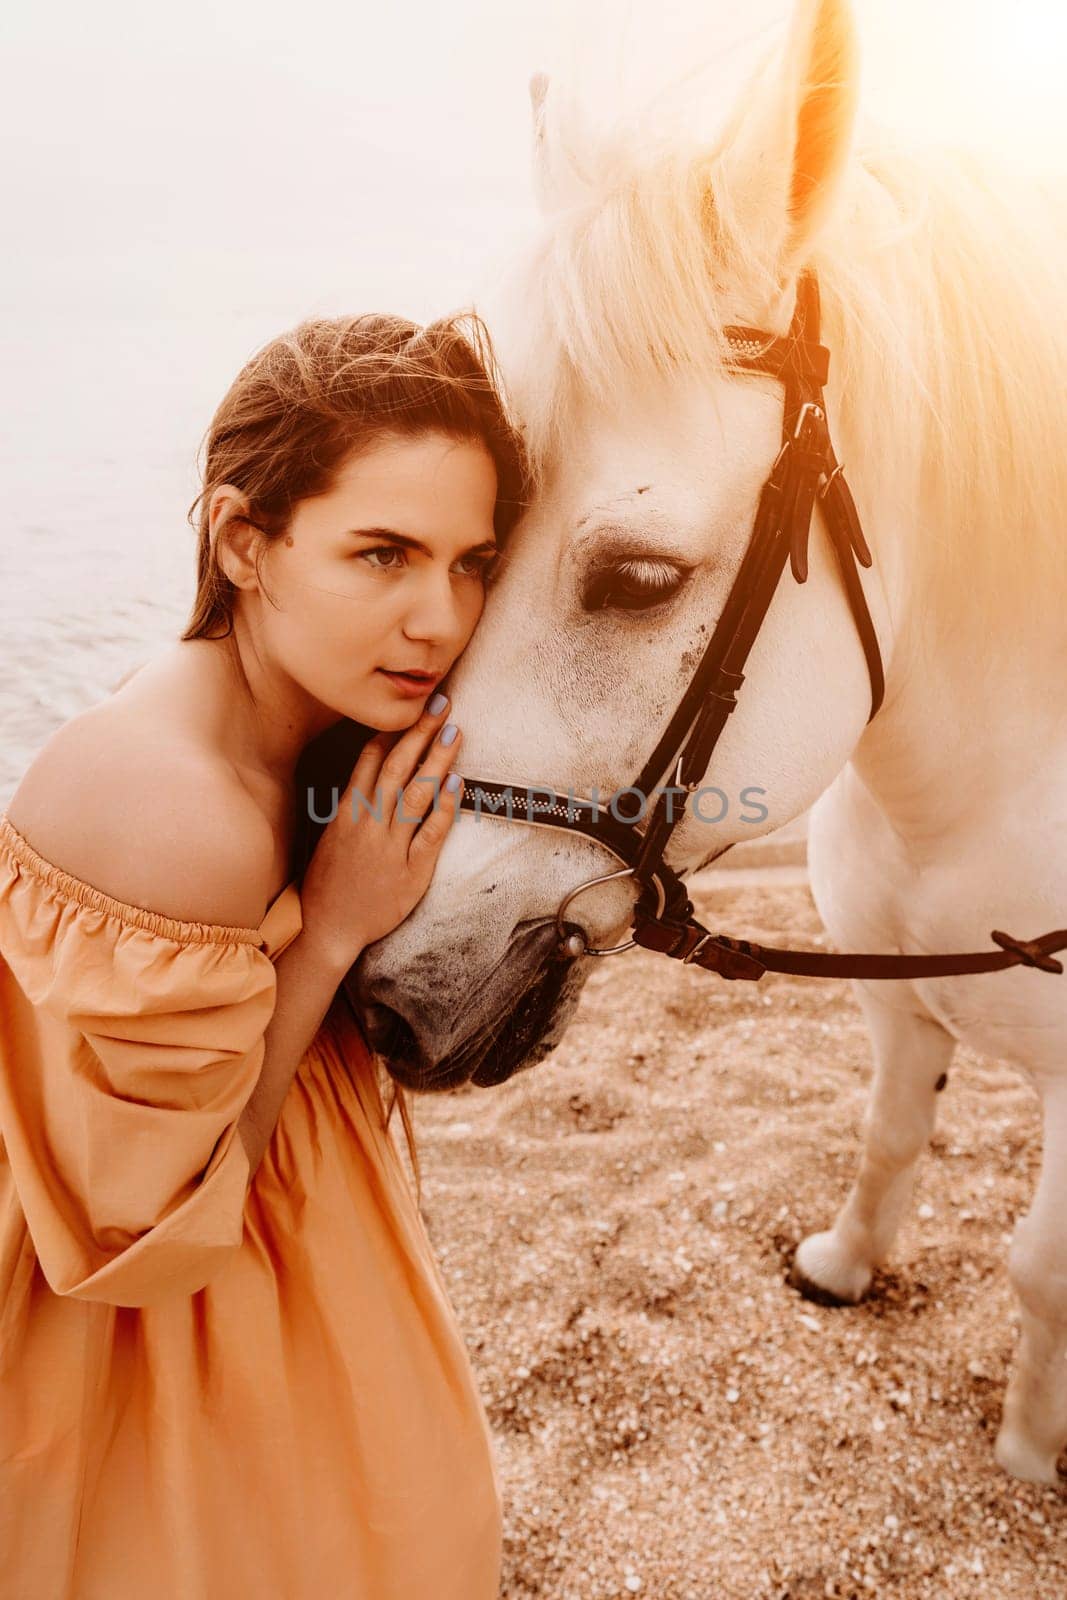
{"points": [[942, 289]]}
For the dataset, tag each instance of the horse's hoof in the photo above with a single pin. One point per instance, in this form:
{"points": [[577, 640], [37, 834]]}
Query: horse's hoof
{"points": [[818, 1276], [1023, 1459], [814, 1291]]}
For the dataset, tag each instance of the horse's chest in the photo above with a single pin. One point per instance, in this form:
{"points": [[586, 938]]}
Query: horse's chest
{"points": [[875, 894]]}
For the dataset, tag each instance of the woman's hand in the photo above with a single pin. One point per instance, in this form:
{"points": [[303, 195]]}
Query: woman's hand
{"points": [[375, 858]]}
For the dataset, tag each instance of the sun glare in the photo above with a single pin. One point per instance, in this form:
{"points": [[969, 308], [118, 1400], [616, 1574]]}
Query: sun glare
{"points": [[980, 73], [975, 72]]}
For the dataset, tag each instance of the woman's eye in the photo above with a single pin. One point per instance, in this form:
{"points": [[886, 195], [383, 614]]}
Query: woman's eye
{"points": [[479, 565], [634, 585], [391, 558], [388, 550]]}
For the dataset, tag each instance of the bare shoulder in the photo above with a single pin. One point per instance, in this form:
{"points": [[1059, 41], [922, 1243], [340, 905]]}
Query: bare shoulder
{"points": [[149, 817]]}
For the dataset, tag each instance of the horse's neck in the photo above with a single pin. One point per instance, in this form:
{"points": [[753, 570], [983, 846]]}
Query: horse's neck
{"points": [[963, 736]]}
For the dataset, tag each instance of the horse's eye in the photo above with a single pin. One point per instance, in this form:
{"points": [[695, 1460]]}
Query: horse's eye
{"points": [[634, 585]]}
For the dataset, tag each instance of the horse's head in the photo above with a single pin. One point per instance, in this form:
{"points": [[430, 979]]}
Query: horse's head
{"points": [[653, 457]]}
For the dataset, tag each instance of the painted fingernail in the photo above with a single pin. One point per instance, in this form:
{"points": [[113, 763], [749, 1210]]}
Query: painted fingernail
{"points": [[437, 704], [448, 733], [452, 782]]}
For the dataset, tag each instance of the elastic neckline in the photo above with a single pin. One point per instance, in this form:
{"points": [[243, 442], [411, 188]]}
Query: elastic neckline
{"points": [[69, 887]]}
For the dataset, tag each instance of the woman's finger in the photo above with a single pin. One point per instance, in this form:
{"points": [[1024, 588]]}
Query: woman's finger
{"points": [[422, 792], [430, 836], [403, 759], [418, 796], [367, 771]]}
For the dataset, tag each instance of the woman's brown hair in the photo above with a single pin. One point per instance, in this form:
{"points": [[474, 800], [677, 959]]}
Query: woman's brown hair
{"points": [[299, 410], [314, 397]]}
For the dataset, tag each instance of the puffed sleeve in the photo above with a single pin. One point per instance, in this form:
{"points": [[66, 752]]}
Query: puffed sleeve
{"points": [[130, 1043]]}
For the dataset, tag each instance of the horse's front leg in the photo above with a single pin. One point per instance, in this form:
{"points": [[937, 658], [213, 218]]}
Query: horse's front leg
{"points": [[1034, 1426], [911, 1059]]}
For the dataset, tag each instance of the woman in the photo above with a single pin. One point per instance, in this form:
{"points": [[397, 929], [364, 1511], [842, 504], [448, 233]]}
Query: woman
{"points": [[228, 1364]]}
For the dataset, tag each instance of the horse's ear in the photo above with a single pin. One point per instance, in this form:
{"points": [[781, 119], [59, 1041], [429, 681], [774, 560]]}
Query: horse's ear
{"points": [[788, 144]]}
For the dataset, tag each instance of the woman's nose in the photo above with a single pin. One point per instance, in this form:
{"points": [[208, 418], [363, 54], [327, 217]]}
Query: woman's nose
{"points": [[437, 612]]}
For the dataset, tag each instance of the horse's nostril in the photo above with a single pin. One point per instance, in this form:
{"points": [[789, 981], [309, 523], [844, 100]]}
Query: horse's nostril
{"points": [[388, 1033], [394, 1040]]}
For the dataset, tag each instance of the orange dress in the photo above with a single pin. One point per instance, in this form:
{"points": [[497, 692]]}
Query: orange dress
{"points": [[209, 1390]]}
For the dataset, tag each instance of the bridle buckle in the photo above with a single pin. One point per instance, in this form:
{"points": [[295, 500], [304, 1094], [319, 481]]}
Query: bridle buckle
{"points": [[697, 948], [690, 788], [811, 413]]}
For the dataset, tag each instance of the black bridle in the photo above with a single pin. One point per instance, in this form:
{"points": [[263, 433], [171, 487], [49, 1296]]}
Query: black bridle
{"points": [[805, 470]]}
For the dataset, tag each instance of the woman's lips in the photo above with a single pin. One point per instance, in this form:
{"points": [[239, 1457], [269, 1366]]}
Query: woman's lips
{"points": [[407, 684]]}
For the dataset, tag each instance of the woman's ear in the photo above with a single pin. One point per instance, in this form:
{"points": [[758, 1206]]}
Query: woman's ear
{"points": [[782, 157], [233, 538]]}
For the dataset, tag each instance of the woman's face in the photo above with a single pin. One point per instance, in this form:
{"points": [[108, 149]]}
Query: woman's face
{"points": [[381, 576]]}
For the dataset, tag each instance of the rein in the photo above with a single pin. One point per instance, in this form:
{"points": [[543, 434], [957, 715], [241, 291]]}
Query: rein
{"points": [[805, 470]]}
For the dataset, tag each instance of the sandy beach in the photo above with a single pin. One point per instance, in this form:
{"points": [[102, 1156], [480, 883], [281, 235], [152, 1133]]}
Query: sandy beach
{"points": [[673, 1420]]}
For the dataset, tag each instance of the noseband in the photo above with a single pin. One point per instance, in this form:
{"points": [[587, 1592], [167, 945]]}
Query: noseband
{"points": [[805, 470]]}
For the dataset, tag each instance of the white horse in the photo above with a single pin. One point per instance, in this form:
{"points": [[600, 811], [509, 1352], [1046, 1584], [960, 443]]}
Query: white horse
{"points": [[947, 815]]}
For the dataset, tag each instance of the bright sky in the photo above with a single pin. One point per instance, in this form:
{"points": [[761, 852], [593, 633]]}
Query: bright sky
{"points": [[251, 151], [184, 181]]}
